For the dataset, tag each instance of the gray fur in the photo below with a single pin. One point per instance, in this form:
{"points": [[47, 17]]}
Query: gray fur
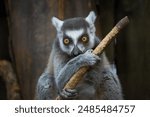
{"points": [[100, 82]]}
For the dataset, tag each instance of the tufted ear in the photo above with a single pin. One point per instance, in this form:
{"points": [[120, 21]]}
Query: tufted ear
{"points": [[91, 17], [57, 23]]}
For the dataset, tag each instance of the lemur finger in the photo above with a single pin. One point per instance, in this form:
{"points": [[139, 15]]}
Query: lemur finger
{"points": [[73, 91], [90, 51], [69, 94]]}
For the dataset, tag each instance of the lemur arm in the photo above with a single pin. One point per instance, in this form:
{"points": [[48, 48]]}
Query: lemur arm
{"points": [[72, 66]]}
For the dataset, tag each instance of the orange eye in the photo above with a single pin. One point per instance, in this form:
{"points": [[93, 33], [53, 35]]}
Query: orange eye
{"points": [[84, 39], [66, 41]]}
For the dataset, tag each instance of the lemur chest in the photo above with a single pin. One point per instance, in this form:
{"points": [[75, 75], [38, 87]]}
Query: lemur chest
{"points": [[88, 86]]}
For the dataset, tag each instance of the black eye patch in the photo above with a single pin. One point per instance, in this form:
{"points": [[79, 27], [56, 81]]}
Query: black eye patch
{"points": [[67, 40], [84, 39]]}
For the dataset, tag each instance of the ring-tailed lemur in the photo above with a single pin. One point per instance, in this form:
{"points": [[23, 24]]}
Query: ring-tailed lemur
{"points": [[71, 50]]}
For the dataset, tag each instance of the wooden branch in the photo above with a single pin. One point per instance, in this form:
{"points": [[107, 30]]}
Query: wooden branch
{"points": [[9, 76], [75, 79]]}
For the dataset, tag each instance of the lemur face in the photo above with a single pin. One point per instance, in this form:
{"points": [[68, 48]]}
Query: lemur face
{"points": [[76, 35]]}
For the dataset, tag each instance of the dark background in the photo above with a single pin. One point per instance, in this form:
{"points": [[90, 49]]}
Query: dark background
{"points": [[26, 36]]}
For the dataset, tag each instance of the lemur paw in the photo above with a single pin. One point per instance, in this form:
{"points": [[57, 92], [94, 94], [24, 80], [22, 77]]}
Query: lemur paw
{"points": [[90, 58]]}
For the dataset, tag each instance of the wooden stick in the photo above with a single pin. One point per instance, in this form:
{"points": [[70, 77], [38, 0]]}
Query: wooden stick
{"points": [[75, 79]]}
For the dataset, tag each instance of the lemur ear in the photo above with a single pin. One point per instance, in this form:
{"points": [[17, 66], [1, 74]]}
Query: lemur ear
{"points": [[91, 17], [57, 23]]}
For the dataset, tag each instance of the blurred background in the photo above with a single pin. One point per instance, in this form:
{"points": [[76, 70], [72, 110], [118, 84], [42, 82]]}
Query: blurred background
{"points": [[26, 37]]}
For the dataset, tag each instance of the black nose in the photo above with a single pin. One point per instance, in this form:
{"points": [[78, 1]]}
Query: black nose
{"points": [[76, 51]]}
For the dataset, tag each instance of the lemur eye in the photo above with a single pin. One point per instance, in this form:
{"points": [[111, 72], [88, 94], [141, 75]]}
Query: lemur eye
{"points": [[66, 41], [84, 39]]}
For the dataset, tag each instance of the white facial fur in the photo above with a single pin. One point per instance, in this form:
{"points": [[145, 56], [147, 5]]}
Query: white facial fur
{"points": [[74, 34]]}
